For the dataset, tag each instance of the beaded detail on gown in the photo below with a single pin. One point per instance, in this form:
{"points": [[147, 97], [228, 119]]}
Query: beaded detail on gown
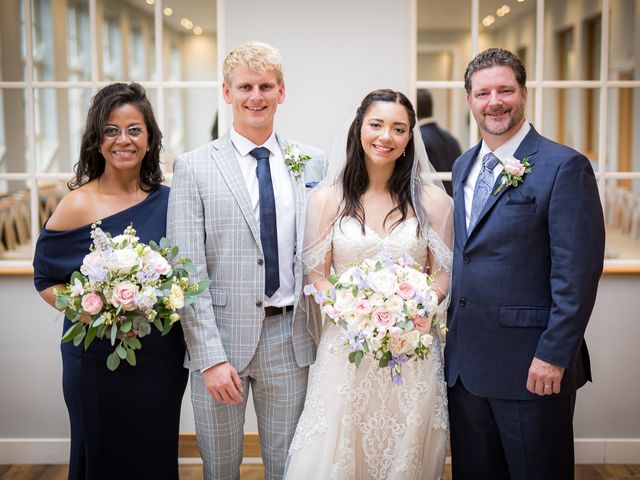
{"points": [[357, 424]]}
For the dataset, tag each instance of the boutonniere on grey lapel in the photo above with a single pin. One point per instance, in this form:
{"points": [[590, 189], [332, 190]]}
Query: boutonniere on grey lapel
{"points": [[513, 173], [295, 159]]}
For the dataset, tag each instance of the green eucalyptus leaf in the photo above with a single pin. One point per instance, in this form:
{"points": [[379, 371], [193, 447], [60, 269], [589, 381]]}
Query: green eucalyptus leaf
{"points": [[164, 243], [126, 326], [135, 343], [158, 323], [143, 328], [358, 357], [131, 358], [154, 246], [76, 276], [91, 334], [114, 332], [166, 326], [174, 251], [121, 351], [72, 332], [189, 267], [77, 340], [113, 361], [62, 301]]}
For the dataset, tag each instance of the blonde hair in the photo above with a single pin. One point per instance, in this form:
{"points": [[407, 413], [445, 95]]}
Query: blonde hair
{"points": [[257, 56]]}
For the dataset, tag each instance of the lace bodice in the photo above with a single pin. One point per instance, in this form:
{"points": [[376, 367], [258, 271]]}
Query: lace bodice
{"points": [[350, 245]]}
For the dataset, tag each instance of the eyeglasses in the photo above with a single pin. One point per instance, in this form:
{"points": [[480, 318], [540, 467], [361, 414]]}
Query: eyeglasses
{"points": [[115, 132]]}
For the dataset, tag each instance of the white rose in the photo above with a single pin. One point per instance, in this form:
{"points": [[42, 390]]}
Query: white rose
{"points": [[426, 339], [395, 303], [376, 300], [345, 301], [412, 308], [417, 279], [346, 276], [155, 261], [122, 261], [93, 266], [383, 282]]}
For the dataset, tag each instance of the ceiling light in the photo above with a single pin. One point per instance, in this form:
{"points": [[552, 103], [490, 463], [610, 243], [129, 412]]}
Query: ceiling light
{"points": [[150, 2], [503, 10], [520, 1], [488, 20], [197, 30], [186, 23], [168, 11]]}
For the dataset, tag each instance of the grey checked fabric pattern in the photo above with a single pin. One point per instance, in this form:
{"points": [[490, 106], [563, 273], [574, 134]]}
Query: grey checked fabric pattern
{"points": [[278, 386], [483, 188]]}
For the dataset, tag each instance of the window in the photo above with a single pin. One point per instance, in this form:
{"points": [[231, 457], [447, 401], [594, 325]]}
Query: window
{"points": [[52, 60], [583, 68]]}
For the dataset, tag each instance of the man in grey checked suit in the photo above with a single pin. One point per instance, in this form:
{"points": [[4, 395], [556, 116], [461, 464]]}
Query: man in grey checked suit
{"points": [[237, 211]]}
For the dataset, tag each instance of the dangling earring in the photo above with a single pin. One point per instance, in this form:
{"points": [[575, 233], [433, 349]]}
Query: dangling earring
{"points": [[404, 153]]}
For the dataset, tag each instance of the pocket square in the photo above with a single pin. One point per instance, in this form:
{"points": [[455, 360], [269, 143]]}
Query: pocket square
{"points": [[516, 198], [310, 184]]}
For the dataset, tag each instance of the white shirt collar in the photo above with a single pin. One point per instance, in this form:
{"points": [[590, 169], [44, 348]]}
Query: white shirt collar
{"points": [[426, 121], [244, 146], [507, 149]]}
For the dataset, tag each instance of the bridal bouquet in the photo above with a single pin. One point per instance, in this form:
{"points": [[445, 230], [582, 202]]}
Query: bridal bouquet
{"points": [[123, 288], [386, 308]]}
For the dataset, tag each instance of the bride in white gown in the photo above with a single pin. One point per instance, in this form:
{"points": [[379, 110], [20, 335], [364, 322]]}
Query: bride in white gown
{"points": [[357, 424]]}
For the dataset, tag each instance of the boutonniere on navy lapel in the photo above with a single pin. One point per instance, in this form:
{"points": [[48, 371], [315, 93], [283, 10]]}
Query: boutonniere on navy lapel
{"points": [[295, 159], [513, 173]]}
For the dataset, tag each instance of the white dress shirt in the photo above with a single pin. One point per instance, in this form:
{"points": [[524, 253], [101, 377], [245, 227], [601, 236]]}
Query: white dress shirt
{"points": [[285, 208], [503, 152]]}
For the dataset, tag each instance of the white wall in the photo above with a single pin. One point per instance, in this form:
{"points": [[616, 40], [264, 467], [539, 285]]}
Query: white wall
{"points": [[335, 52]]}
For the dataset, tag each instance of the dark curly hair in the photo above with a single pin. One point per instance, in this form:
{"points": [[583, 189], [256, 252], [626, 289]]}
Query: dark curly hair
{"points": [[494, 57], [91, 163], [355, 178]]}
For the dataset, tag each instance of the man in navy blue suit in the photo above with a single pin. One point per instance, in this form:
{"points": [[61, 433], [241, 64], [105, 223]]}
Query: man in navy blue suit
{"points": [[528, 256]]}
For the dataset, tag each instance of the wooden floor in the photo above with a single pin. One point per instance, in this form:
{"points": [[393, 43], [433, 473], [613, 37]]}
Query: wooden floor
{"points": [[254, 472]]}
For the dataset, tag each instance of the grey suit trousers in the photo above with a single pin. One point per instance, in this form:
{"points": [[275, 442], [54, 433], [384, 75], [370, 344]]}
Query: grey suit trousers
{"points": [[278, 385]]}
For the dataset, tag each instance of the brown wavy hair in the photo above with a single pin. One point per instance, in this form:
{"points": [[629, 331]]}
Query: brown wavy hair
{"points": [[91, 162]]}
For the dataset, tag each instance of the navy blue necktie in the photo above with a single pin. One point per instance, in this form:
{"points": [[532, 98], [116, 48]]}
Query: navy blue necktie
{"points": [[268, 227]]}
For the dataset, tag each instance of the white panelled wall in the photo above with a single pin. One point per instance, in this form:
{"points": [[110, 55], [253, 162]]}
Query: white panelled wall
{"points": [[335, 52]]}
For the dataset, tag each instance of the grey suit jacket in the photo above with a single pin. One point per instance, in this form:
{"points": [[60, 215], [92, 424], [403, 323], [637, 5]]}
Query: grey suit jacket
{"points": [[211, 219]]}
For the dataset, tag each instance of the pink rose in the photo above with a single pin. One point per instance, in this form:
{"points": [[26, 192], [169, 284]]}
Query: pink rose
{"points": [[514, 167], [363, 307], [406, 290], [125, 295], [422, 324], [382, 317], [92, 303]]}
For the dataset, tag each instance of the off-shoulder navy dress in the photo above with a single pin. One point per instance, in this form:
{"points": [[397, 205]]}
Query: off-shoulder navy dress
{"points": [[124, 424]]}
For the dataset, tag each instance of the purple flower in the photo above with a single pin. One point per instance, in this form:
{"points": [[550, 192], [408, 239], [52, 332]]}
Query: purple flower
{"points": [[309, 289], [397, 379]]}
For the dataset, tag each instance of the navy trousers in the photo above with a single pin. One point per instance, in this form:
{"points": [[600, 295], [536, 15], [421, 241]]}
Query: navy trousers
{"points": [[496, 439]]}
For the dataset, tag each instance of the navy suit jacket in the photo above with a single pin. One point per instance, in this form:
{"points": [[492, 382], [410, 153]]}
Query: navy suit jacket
{"points": [[525, 278]]}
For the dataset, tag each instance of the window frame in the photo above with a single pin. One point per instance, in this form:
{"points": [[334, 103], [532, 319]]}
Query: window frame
{"points": [[539, 85], [31, 174]]}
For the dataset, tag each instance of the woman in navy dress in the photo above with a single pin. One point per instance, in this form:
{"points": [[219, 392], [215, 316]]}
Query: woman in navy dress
{"points": [[125, 423]]}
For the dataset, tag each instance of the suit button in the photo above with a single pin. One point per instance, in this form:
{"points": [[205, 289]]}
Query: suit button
{"points": [[467, 259], [258, 303], [260, 261], [462, 302]]}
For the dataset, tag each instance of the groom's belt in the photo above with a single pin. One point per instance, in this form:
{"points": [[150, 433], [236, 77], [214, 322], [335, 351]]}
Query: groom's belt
{"points": [[272, 311]]}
